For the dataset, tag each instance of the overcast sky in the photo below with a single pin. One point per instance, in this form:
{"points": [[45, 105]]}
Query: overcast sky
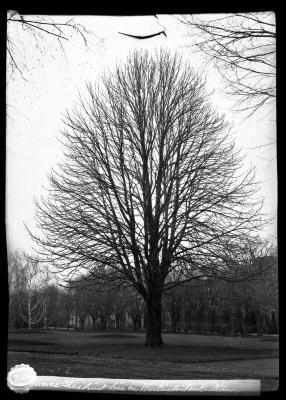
{"points": [[52, 81]]}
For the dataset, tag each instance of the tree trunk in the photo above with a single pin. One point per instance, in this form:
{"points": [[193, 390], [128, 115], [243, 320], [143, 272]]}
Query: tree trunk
{"points": [[93, 323], [187, 321], [103, 322], [135, 323], [173, 323], [45, 316], [81, 321], [153, 320], [29, 314], [243, 322], [259, 323]]}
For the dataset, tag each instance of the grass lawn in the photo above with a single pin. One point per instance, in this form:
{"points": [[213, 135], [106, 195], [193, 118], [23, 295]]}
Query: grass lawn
{"points": [[122, 355]]}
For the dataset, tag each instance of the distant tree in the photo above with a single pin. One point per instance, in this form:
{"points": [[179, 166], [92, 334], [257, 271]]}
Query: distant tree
{"points": [[135, 308], [264, 292], [96, 302], [152, 184], [15, 319], [80, 305], [243, 48], [68, 303], [258, 296], [214, 299], [173, 301], [105, 306], [121, 299], [92, 304], [53, 307], [188, 305], [30, 288]]}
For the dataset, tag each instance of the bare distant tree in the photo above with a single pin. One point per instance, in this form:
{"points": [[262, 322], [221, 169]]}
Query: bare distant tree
{"points": [[260, 295], [173, 301], [53, 306], [135, 307], [13, 261], [121, 299], [243, 48], [105, 306], [30, 288], [40, 28], [68, 303], [92, 304], [80, 305], [151, 184]]}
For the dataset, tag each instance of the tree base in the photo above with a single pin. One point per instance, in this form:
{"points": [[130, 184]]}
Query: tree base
{"points": [[147, 345], [158, 342]]}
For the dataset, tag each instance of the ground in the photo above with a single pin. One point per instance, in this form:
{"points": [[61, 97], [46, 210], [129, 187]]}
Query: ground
{"points": [[122, 355]]}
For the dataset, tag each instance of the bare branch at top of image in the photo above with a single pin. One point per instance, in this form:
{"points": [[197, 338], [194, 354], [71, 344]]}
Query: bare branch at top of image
{"points": [[40, 30], [243, 48]]}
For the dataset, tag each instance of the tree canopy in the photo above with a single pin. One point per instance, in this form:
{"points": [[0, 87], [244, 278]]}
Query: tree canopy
{"points": [[151, 184]]}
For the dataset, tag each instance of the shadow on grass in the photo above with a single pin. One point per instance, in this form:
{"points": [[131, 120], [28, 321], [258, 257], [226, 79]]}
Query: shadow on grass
{"points": [[23, 330], [115, 336], [43, 352]]}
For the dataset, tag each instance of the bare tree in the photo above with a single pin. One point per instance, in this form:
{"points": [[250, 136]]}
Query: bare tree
{"points": [[80, 304], [105, 306], [173, 303], [135, 308], [243, 48], [54, 314], [262, 293], [151, 184], [31, 288], [13, 274], [92, 304], [121, 299], [39, 28], [15, 319], [68, 303]]}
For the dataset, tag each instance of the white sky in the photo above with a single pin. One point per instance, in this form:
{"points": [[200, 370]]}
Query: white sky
{"points": [[53, 78]]}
